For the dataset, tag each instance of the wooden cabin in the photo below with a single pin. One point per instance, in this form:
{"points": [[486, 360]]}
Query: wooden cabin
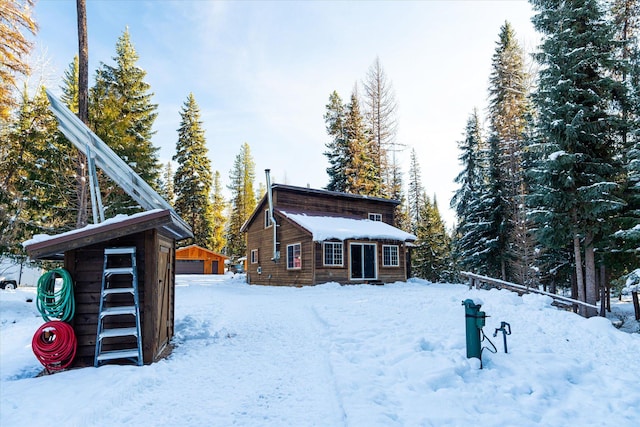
{"points": [[154, 235], [324, 236], [194, 259]]}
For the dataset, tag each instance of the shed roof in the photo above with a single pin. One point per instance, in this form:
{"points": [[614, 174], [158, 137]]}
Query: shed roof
{"points": [[43, 246], [342, 228]]}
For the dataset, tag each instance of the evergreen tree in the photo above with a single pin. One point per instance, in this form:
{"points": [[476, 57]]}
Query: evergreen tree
{"points": [[243, 201], [167, 187], [32, 176], [626, 18], [416, 192], [193, 177], [122, 115], [362, 175], [576, 183], [469, 238], [508, 109], [218, 206], [337, 149], [431, 256]]}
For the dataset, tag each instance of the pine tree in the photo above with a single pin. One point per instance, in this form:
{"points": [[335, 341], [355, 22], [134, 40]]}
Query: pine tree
{"points": [[361, 172], [193, 177], [415, 193], [477, 203], [34, 176], [167, 188], [337, 150], [577, 181], [218, 206], [508, 110], [431, 256], [122, 115], [243, 201]]}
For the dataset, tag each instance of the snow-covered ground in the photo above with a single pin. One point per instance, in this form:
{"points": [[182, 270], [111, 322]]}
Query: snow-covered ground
{"points": [[331, 355]]}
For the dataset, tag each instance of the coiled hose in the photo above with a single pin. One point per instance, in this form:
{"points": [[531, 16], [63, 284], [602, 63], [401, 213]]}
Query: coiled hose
{"points": [[56, 304], [55, 345]]}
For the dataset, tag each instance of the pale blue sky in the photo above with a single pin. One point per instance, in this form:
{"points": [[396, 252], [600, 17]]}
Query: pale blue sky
{"points": [[262, 72]]}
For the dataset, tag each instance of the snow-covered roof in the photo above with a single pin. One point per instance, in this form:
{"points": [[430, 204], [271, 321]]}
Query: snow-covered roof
{"points": [[341, 228]]}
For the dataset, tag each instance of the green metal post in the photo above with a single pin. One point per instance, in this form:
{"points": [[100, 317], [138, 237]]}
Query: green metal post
{"points": [[475, 321]]}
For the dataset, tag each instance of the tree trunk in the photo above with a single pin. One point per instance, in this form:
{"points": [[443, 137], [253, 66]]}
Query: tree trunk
{"points": [[636, 304], [83, 110], [581, 295], [590, 275]]}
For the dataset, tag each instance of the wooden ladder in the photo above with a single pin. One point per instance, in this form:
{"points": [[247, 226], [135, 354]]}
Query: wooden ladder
{"points": [[120, 304]]}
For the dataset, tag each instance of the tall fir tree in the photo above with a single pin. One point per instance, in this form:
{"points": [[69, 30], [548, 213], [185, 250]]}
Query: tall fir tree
{"points": [[415, 194], [508, 112], [219, 207], [431, 257], [193, 179], [575, 189], [167, 187], [362, 174], [337, 149], [626, 18], [34, 176], [243, 201], [122, 115]]}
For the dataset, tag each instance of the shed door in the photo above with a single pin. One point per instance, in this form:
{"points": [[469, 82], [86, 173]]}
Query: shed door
{"points": [[363, 261], [184, 266], [164, 325], [214, 267]]}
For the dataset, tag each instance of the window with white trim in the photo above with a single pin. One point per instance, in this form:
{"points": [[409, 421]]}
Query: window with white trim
{"points": [[333, 254], [390, 256], [254, 256], [294, 256], [375, 217]]}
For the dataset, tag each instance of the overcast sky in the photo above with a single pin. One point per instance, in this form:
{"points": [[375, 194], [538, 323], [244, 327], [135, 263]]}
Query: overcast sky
{"points": [[262, 72]]}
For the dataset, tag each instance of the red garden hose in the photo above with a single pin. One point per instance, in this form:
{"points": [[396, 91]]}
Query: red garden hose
{"points": [[55, 344]]}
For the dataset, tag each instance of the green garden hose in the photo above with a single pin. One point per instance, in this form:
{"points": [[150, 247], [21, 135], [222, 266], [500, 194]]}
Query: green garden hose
{"points": [[54, 304]]}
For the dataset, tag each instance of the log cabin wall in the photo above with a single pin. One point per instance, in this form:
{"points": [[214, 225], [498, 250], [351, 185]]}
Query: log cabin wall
{"points": [[276, 273], [340, 205]]}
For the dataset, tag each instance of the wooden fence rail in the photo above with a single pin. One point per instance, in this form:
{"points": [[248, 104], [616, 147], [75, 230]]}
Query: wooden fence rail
{"points": [[477, 279]]}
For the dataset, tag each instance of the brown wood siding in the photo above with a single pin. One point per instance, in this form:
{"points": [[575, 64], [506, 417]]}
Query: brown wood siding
{"points": [[342, 206], [276, 273]]}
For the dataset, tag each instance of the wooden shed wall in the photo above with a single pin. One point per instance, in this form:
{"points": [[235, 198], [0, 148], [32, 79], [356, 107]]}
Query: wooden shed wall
{"points": [[156, 282]]}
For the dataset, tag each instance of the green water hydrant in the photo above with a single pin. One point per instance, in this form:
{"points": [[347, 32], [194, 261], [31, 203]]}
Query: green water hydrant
{"points": [[475, 321]]}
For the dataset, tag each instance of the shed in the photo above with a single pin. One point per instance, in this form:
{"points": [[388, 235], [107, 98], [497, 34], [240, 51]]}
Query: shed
{"points": [[153, 234], [195, 259]]}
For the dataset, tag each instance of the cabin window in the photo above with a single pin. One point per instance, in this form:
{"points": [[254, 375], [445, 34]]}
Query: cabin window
{"points": [[254, 256], [294, 256], [333, 254], [267, 219], [375, 217], [390, 256]]}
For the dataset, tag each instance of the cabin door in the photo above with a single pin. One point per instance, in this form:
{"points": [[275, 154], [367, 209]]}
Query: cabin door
{"points": [[363, 261]]}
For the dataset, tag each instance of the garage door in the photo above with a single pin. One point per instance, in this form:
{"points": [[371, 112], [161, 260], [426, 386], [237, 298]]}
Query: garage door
{"points": [[184, 266]]}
